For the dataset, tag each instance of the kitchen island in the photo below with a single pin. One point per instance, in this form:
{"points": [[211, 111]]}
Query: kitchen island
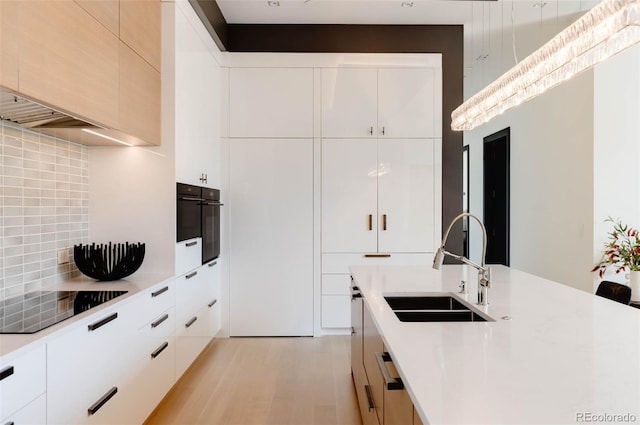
{"points": [[552, 355]]}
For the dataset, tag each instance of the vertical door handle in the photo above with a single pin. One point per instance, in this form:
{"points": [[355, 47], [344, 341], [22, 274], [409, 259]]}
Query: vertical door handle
{"points": [[383, 130], [384, 222], [371, 131], [370, 222]]}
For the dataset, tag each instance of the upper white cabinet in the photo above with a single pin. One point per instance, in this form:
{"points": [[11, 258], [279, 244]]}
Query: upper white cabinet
{"points": [[197, 91], [271, 102], [349, 102], [379, 195], [406, 102], [384, 102]]}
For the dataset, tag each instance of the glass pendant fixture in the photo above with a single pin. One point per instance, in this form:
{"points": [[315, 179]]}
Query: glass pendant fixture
{"points": [[607, 29]]}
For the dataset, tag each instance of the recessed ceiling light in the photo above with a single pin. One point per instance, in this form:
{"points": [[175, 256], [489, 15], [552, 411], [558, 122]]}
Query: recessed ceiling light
{"points": [[406, 4], [273, 3]]}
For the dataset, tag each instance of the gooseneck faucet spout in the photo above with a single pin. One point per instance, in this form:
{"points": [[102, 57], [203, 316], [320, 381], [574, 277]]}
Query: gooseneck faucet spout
{"points": [[484, 273]]}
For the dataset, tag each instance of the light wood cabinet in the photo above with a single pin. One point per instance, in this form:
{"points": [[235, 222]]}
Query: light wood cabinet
{"points": [[107, 12], [9, 44], [69, 60], [140, 29], [139, 100], [372, 344]]}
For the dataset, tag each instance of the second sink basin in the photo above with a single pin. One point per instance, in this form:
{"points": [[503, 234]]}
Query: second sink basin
{"points": [[435, 308]]}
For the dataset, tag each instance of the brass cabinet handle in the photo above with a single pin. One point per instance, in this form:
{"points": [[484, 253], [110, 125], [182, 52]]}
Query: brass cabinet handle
{"points": [[370, 222], [384, 222], [377, 255]]}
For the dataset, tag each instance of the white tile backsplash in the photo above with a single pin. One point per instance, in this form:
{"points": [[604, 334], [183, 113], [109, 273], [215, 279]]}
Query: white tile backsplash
{"points": [[44, 198]]}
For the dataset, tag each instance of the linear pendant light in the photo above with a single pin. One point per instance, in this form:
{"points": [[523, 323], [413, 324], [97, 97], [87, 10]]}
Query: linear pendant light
{"points": [[607, 29]]}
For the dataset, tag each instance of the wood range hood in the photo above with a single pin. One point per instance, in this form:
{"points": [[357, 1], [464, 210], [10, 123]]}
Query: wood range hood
{"points": [[40, 117]]}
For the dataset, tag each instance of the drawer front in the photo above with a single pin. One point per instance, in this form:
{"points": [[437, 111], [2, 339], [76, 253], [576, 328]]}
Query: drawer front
{"points": [[212, 319], [336, 311], [188, 255], [155, 301], [339, 263], [83, 364], [155, 332], [189, 343], [34, 413], [336, 284], [22, 380], [189, 294]]}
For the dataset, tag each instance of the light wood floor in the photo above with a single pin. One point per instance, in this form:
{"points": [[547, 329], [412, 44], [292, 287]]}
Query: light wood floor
{"points": [[265, 381]]}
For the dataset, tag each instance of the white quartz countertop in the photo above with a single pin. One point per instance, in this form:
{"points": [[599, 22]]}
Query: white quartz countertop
{"points": [[565, 357], [14, 344]]}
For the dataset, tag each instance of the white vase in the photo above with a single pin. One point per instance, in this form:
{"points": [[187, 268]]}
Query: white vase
{"points": [[634, 283]]}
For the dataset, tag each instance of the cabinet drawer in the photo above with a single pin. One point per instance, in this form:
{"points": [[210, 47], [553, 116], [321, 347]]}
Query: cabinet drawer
{"points": [[153, 333], [34, 413], [188, 255], [22, 380], [339, 263], [190, 293], [333, 284], [158, 299], [336, 311], [189, 343], [84, 364]]}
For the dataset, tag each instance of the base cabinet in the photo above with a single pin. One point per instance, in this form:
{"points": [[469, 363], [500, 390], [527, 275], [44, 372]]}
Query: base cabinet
{"points": [[382, 398]]}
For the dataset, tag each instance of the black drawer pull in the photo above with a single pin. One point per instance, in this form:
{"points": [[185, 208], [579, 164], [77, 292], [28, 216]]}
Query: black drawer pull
{"points": [[212, 303], [191, 322], [159, 291], [213, 263], [94, 326], [159, 350], [190, 275], [377, 255], [10, 423], [356, 295], [159, 321], [191, 243], [354, 287], [367, 390], [98, 404], [390, 382], [6, 372]]}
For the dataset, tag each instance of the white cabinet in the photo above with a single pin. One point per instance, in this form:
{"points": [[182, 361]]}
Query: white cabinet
{"points": [[197, 313], [349, 102], [197, 111], [383, 102], [379, 195], [271, 102], [271, 237], [34, 413], [349, 195], [87, 367], [22, 380]]}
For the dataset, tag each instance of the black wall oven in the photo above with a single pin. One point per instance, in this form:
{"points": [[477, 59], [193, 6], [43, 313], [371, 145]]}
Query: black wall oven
{"points": [[198, 215]]}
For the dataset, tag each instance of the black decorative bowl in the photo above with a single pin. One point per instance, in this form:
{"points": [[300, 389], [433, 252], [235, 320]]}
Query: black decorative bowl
{"points": [[108, 262]]}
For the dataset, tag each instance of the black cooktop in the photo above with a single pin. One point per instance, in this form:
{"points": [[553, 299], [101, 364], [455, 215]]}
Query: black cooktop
{"points": [[34, 311]]}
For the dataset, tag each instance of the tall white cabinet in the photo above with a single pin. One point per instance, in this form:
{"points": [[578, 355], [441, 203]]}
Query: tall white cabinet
{"points": [[331, 165], [271, 201]]}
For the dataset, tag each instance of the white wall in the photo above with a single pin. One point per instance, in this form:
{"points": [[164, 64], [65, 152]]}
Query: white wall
{"points": [[551, 159], [132, 199], [616, 146]]}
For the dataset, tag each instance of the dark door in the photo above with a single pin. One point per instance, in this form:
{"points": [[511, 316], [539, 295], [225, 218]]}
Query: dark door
{"points": [[496, 196]]}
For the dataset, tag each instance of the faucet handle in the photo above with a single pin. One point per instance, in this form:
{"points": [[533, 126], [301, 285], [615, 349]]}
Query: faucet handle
{"points": [[463, 287]]}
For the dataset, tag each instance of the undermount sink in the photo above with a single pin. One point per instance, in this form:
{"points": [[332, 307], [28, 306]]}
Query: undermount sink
{"points": [[436, 308]]}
